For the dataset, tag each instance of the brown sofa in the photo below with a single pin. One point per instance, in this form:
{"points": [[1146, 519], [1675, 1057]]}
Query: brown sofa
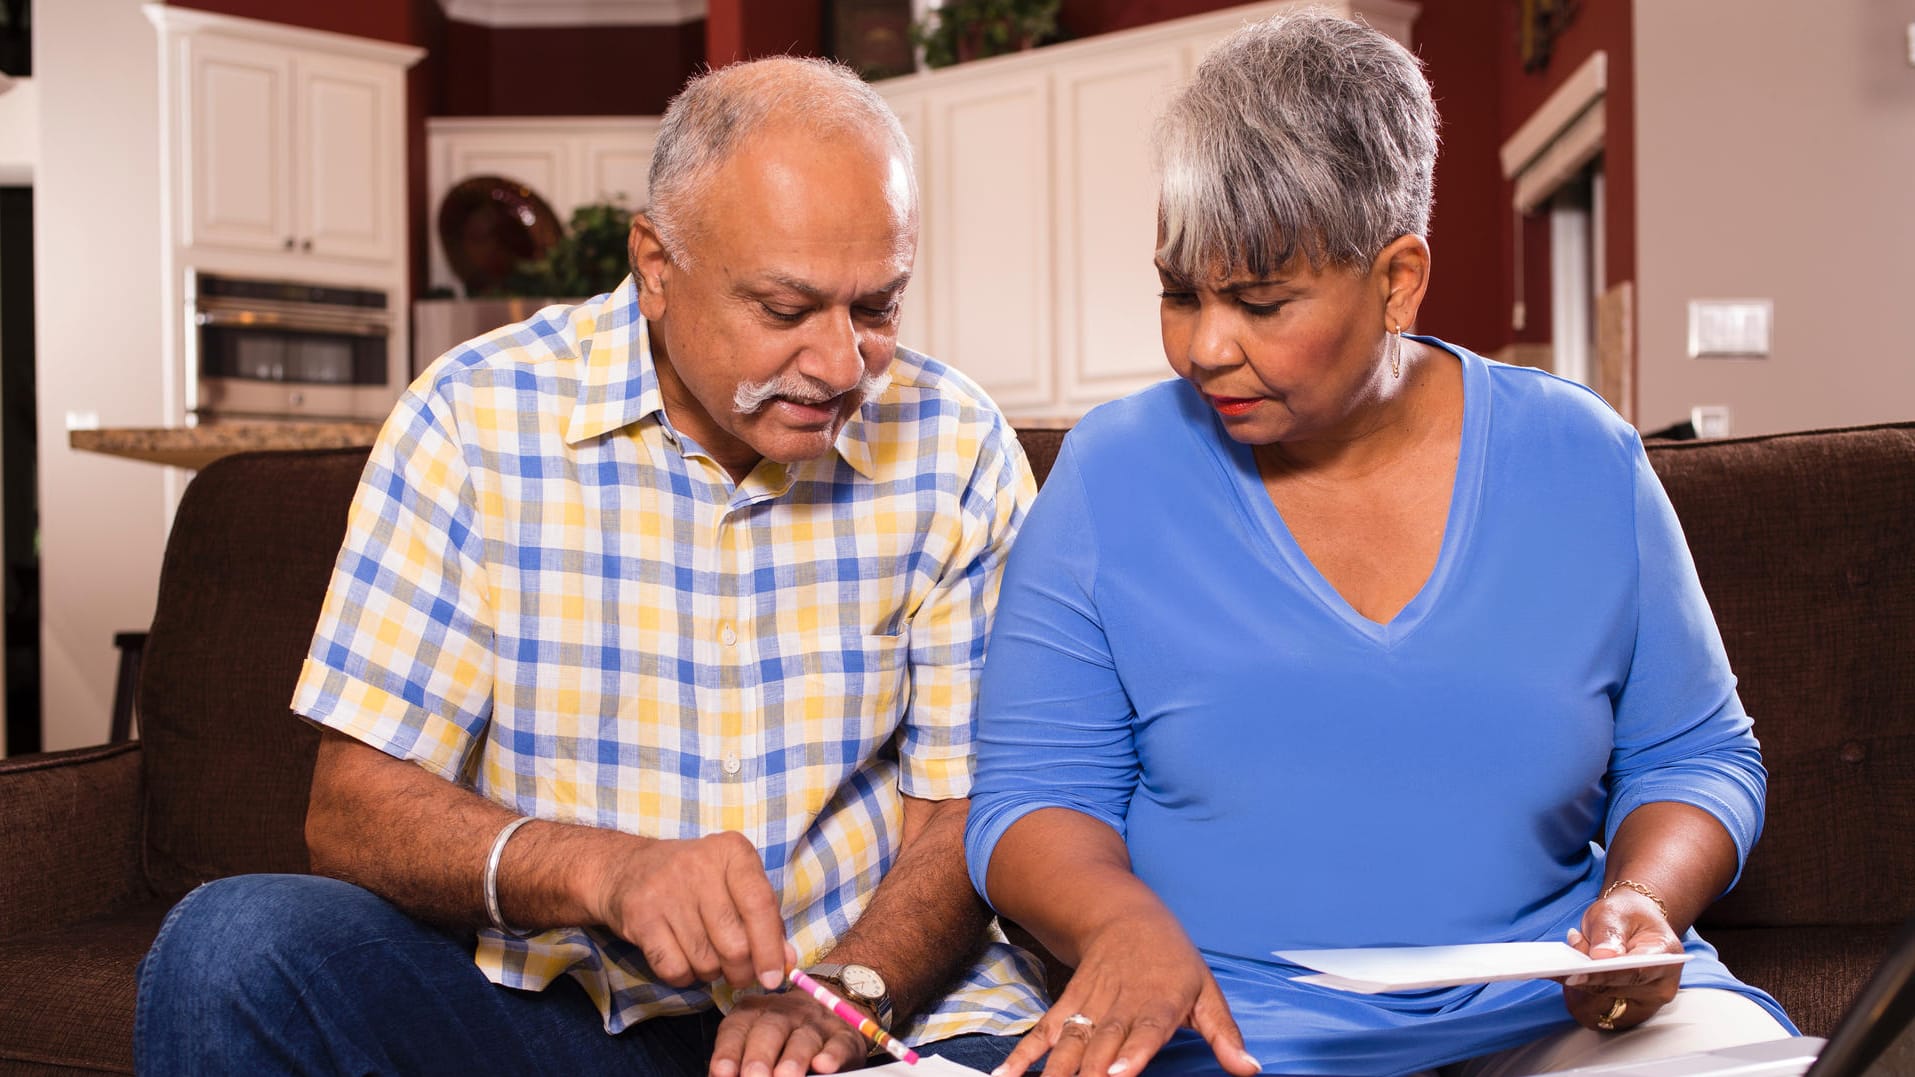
{"points": [[1805, 543]]}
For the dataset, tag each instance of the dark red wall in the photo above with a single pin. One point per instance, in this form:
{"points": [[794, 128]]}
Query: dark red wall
{"points": [[1471, 254], [382, 19], [566, 71], [746, 29], [1082, 18]]}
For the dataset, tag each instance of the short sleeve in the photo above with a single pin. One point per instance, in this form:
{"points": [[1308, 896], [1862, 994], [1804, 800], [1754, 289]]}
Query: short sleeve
{"points": [[950, 628], [402, 656]]}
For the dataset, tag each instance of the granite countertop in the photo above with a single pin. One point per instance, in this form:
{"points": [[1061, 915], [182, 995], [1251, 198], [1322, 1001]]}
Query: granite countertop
{"points": [[196, 446]]}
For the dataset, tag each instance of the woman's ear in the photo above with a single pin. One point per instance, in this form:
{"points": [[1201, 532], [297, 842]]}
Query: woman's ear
{"points": [[1402, 272], [650, 264]]}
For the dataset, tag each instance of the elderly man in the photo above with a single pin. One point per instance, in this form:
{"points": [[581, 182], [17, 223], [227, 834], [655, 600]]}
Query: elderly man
{"points": [[647, 667]]}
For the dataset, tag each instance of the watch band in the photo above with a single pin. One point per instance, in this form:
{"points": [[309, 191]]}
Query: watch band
{"points": [[833, 974]]}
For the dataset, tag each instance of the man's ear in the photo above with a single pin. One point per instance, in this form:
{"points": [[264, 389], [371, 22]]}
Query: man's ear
{"points": [[650, 266], [1402, 272]]}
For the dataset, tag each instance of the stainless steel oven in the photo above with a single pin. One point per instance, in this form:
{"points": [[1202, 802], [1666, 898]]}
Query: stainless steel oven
{"points": [[284, 350]]}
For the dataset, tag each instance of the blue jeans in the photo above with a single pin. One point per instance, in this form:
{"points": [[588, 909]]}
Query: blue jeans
{"points": [[308, 975]]}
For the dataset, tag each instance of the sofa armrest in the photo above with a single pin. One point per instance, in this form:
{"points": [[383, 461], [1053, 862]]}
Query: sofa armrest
{"points": [[69, 836]]}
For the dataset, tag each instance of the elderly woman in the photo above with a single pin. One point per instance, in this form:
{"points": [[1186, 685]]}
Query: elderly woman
{"points": [[1348, 637]]}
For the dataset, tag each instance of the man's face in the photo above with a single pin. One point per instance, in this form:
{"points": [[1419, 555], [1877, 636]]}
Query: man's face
{"points": [[799, 249]]}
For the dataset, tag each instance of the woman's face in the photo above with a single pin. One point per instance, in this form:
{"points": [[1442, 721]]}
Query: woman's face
{"points": [[1291, 356]]}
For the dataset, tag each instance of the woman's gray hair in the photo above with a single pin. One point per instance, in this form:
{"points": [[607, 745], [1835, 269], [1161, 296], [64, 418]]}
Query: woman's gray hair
{"points": [[1303, 133], [719, 110]]}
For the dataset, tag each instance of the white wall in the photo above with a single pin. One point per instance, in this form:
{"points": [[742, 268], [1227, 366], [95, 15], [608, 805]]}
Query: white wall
{"points": [[96, 278], [1775, 150], [19, 132]]}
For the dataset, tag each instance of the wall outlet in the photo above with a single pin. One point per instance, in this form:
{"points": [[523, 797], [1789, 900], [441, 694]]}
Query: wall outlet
{"points": [[1710, 420]]}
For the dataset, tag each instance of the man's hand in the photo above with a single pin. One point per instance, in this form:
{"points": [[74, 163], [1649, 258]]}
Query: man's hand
{"points": [[784, 1035], [699, 909]]}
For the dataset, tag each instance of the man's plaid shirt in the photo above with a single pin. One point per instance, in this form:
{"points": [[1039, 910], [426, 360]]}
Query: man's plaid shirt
{"points": [[548, 593]]}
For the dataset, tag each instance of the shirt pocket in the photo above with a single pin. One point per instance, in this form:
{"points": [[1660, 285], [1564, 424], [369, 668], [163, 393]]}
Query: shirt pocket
{"points": [[842, 712]]}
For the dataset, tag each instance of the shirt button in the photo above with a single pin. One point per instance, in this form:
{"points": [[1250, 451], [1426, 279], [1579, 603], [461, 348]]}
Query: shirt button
{"points": [[733, 764], [728, 635]]}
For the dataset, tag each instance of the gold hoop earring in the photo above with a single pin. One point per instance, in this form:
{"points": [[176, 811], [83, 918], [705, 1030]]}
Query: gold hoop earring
{"points": [[1396, 351]]}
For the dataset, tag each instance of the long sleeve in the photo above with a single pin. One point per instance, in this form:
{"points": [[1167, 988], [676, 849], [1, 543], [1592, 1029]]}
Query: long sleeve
{"points": [[1681, 732], [1054, 725]]}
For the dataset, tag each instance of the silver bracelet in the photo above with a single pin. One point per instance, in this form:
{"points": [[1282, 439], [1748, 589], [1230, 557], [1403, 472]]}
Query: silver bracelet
{"points": [[492, 874]]}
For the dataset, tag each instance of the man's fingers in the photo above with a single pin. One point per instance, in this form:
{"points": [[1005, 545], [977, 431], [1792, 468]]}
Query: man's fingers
{"points": [[726, 948], [1210, 1016], [658, 941], [765, 1041], [839, 1051], [728, 1046], [757, 906], [802, 1046]]}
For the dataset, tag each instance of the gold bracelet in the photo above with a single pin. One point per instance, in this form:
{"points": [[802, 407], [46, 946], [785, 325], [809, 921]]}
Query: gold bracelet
{"points": [[1639, 888]]}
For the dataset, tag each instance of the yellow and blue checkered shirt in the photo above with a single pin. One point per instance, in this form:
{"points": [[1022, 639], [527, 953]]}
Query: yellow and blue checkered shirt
{"points": [[548, 593]]}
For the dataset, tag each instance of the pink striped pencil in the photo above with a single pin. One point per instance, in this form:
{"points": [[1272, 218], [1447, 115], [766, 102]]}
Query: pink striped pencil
{"points": [[851, 1016]]}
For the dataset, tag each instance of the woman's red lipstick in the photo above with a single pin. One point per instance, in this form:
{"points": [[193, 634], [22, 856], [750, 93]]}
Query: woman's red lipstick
{"points": [[1233, 405]]}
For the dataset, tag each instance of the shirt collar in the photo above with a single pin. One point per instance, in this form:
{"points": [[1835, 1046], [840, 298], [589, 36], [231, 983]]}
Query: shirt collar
{"points": [[618, 380]]}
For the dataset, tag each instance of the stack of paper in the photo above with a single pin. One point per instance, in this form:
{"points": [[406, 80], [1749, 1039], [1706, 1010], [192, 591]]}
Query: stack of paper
{"points": [[1373, 970]]}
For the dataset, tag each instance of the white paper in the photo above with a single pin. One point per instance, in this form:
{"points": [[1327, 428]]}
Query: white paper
{"points": [[928, 1066], [1372, 970]]}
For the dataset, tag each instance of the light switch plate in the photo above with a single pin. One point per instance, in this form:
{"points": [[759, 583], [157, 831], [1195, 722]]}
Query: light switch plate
{"points": [[1730, 328]]}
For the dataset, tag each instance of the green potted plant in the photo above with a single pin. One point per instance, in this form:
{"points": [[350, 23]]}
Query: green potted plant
{"points": [[964, 30], [588, 259]]}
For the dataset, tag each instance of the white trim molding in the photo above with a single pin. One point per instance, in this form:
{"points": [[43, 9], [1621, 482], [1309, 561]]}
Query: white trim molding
{"points": [[575, 12], [176, 20], [1563, 134]]}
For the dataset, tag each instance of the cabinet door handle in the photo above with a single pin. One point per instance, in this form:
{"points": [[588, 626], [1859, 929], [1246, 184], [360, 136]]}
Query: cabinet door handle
{"points": [[305, 244], [289, 243]]}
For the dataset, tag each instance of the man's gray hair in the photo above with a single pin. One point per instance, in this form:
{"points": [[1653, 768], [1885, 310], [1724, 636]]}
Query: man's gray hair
{"points": [[719, 110], [1303, 133]]}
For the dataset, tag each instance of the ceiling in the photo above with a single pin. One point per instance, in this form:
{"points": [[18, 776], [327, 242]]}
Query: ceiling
{"points": [[575, 12]]}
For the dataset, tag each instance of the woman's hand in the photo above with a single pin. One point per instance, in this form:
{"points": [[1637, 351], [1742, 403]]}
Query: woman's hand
{"points": [[1625, 922], [1139, 980]]}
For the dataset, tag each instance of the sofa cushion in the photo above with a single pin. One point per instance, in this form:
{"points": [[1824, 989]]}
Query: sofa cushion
{"points": [[227, 765], [1805, 547], [1814, 972], [66, 1001]]}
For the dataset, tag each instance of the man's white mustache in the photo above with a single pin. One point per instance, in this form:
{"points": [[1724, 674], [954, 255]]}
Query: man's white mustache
{"points": [[752, 396]]}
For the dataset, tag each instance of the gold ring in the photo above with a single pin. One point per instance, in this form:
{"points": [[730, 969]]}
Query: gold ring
{"points": [[1607, 1022]]}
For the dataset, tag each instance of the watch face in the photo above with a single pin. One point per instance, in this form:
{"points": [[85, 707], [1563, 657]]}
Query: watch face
{"points": [[861, 981]]}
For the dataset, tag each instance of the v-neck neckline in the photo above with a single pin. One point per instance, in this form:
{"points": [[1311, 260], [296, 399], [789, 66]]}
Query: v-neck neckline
{"points": [[1465, 498]]}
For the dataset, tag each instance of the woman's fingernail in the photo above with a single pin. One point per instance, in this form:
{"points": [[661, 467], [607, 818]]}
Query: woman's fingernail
{"points": [[770, 980], [1577, 980], [1122, 1065], [1252, 1059], [998, 1072]]}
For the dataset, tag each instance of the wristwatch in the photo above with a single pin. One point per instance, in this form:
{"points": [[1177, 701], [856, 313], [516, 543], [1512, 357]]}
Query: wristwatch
{"points": [[860, 985]]}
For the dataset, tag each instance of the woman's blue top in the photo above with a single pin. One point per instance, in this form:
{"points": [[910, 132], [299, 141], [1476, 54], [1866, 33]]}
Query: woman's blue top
{"points": [[1289, 774]]}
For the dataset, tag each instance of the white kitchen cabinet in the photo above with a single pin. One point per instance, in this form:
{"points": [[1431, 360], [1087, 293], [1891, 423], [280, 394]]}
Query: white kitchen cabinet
{"points": [[283, 143], [568, 161], [1038, 197], [1035, 273]]}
